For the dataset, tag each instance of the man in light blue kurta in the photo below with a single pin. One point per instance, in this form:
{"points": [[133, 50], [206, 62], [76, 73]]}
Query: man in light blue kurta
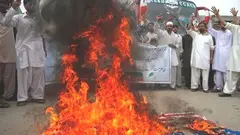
{"points": [[233, 64], [221, 54]]}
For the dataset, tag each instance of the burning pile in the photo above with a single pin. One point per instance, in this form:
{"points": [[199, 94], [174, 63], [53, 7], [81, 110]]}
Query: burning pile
{"points": [[115, 110]]}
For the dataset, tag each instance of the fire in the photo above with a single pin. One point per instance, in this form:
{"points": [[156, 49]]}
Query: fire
{"points": [[115, 110], [203, 125]]}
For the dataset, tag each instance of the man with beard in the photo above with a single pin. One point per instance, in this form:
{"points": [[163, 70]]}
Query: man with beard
{"points": [[179, 51], [221, 54], [201, 57], [168, 37], [233, 65], [30, 49]]}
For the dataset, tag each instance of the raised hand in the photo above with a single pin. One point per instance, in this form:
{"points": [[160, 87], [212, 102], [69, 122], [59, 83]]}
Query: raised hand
{"points": [[16, 4], [234, 11], [215, 10]]}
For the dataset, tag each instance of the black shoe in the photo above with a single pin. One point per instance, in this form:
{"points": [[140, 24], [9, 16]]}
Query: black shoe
{"points": [[4, 104], [224, 95], [215, 91], [194, 90], [11, 99], [173, 88], [206, 91], [21, 103], [39, 101]]}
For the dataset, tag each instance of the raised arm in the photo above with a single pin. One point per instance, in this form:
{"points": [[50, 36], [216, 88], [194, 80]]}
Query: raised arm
{"points": [[158, 31], [10, 20], [216, 12], [190, 31], [235, 18], [232, 27], [212, 31]]}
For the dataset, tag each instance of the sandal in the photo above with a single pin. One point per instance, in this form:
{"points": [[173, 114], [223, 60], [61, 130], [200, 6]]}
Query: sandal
{"points": [[39, 101], [4, 104], [21, 103]]}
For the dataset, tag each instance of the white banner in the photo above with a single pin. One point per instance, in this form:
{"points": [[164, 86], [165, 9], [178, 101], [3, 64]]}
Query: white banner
{"points": [[154, 63]]}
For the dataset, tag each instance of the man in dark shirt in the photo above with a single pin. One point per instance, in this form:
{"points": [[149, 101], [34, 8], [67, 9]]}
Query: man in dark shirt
{"points": [[211, 83], [187, 50]]}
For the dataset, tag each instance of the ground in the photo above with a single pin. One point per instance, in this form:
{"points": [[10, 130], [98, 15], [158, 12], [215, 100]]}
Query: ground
{"points": [[30, 119]]}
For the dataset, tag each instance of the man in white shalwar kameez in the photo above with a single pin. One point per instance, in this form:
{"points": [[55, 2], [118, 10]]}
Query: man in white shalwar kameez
{"points": [[201, 57], [233, 63], [179, 51], [168, 37], [221, 54], [30, 53]]}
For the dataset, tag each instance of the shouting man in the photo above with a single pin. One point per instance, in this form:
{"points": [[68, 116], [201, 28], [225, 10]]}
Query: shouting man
{"points": [[201, 57], [233, 64]]}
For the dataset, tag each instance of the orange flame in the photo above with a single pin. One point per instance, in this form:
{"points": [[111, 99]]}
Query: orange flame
{"points": [[115, 111], [202, 125]]}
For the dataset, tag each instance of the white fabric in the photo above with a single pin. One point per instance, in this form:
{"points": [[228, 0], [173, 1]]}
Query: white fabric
{"points": [[231, 83], [222, 48], [179, 50], [201, 47], [165, 39], [173, 77], [7, 42], [30, 78], [179, 76], [233, 63], [195, 78], [29, 44], [220, 79], [169, 23], [151, 36]]}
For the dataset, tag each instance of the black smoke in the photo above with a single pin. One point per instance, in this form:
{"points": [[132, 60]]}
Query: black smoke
{"points": [[61, 19]]}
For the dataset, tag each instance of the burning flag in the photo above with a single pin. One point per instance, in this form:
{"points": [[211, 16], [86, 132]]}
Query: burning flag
{"points": [[116, 111], [142, 10]]}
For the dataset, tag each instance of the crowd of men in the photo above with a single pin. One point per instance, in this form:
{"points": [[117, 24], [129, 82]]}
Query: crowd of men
{"points": [[26, 54], [210, 53]]}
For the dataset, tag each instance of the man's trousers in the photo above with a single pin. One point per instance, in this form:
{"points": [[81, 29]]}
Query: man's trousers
{"points": [[195, 78], [7, 76], [231, 83], [30, 79]]}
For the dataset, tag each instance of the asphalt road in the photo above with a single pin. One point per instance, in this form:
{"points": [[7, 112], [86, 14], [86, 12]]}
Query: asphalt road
{"points": [[30, 119]]}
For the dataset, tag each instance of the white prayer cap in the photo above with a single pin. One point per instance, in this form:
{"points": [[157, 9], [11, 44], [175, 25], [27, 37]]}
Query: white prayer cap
{"points": [[169, 23]]}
